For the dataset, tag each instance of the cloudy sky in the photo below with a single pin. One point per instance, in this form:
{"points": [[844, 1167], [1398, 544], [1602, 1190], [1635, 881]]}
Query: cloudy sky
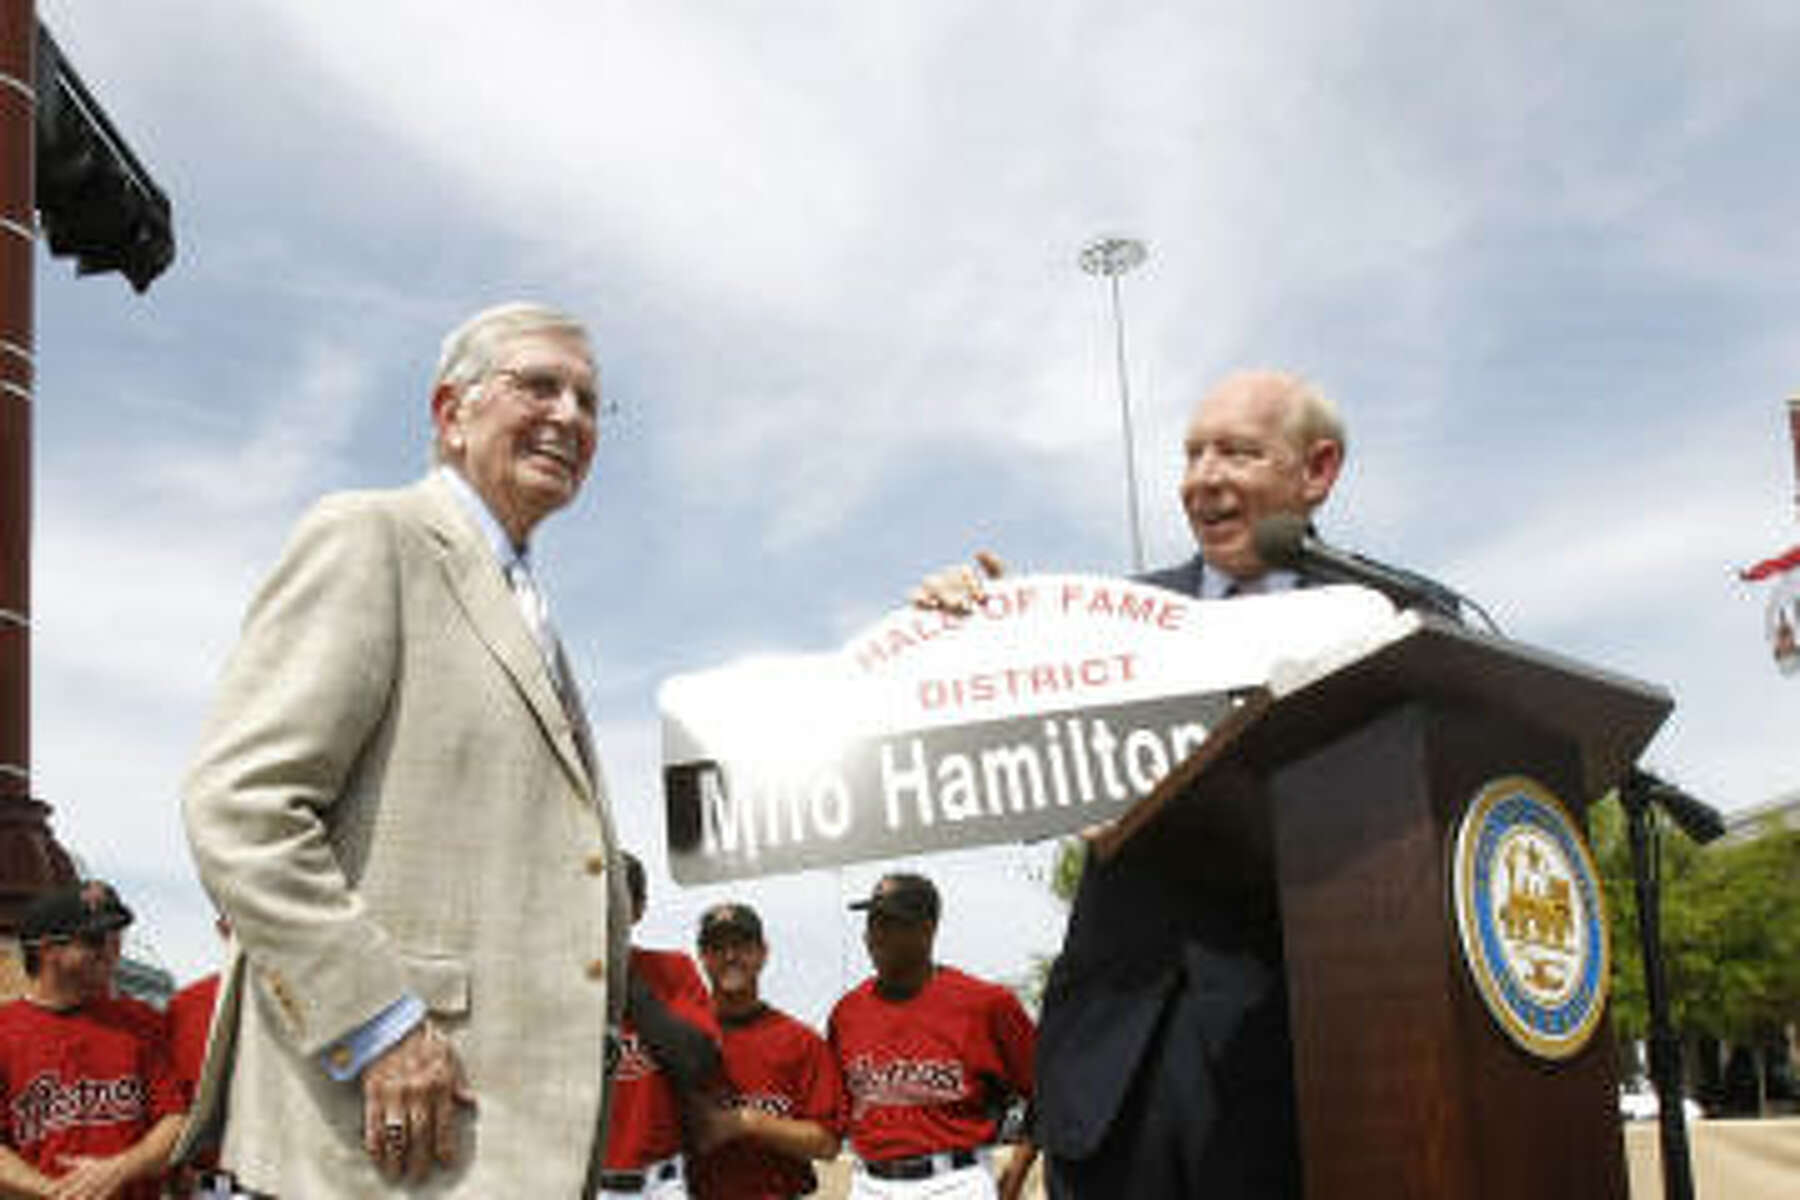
{"points": [[1544, 255]]}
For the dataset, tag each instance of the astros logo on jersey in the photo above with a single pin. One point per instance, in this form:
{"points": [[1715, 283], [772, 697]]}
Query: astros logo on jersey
{"points": [[902, 1081]]}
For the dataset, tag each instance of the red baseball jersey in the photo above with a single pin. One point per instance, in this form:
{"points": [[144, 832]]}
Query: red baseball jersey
{"points": [[190, 1015], [149, 1024], [81, 1082], [778, 1065], [645, 1121], [930, 1072]]}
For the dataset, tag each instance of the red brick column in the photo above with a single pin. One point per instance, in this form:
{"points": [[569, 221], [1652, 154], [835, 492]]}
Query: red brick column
{"points": [[29, 855]]}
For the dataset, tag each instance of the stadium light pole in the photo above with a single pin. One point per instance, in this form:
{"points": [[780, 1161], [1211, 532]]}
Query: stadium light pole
{"points": [[1111, 257]]}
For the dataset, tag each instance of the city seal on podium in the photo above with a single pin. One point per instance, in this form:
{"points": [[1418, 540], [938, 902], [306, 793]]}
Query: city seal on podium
{"points": [[1531, 916]]}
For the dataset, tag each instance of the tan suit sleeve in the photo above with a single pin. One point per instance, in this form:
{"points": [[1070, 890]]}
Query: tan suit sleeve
{"points": [[304, 693]]}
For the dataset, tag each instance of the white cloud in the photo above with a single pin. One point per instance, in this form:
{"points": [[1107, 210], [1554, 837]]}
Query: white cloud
{"points": [[297, 442], [891, 206]]}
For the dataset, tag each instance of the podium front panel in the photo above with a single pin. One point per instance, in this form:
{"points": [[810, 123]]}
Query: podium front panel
{"points": [[1406, 1086]]}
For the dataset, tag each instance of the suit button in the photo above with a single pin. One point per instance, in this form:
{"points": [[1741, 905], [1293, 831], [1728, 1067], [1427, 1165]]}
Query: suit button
{"points": [[597, 969], [596, 864]]}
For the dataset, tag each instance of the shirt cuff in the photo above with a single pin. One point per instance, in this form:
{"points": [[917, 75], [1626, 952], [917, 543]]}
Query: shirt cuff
{"points": [[345, 1058]]}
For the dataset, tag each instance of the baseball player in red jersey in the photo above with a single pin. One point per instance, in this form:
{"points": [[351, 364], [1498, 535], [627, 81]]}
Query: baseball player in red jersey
{"points": [[782, 1097], [669, 1053], [930, 1057], [90, 1103], [150, 1025]]}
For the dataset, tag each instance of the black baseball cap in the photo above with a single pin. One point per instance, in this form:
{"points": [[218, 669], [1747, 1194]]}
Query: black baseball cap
{"points": [[722, 922], [902, 896], [71, 910]]}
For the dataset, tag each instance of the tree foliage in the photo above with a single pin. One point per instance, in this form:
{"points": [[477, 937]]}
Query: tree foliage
{"points": [[1730, 930], [1065, 877]]}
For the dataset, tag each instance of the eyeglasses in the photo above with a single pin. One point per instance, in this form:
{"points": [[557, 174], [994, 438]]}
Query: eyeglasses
{"points": [[544, 386], [93, 939]]}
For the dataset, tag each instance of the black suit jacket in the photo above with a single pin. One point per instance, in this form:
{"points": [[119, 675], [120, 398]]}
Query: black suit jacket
{"points": [[1163, 1062]]}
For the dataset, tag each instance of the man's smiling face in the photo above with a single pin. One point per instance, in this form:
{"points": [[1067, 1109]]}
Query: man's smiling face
{"points": [[1245, 462], [525, 437]]}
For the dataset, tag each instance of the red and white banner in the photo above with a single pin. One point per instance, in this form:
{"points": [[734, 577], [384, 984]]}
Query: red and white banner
{"points": [[1781, 621], [1056, 705]]}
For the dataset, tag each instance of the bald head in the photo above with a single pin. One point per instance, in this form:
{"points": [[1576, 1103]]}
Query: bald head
{"points": [[1260, 443]]}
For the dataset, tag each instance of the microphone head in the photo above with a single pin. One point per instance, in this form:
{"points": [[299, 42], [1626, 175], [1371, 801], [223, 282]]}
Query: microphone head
{"points": [[1279, 540], [1698, 819]]}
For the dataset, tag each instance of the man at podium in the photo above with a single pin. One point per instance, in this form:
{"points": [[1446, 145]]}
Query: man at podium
{"points": [[1163, 1053]]}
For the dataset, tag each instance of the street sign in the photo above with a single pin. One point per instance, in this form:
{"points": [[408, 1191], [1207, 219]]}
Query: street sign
{"points": [[1055, 706]]}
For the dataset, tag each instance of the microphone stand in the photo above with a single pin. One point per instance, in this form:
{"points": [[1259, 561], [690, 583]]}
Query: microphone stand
{"points": [[1639, 791]]}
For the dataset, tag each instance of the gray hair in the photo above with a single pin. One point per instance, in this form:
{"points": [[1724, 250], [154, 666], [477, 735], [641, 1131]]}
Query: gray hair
{"points": [[1312, 416], [472, 348]]}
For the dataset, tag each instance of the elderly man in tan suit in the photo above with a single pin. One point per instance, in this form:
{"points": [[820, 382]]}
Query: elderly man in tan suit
{"points": [[397, 806]]}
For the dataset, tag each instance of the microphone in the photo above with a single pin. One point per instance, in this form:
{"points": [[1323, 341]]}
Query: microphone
{"points": [[1698, 819], [1286, 541]]}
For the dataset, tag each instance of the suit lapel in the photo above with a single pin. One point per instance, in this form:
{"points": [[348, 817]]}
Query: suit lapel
{"points": [[474, 579], [570, 695]]}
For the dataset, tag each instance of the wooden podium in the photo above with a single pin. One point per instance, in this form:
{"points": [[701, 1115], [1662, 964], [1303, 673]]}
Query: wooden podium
{"points": [[1406, 1084]]}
